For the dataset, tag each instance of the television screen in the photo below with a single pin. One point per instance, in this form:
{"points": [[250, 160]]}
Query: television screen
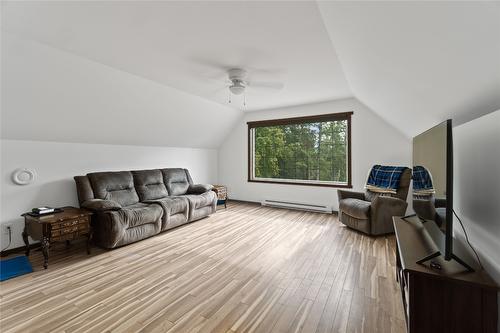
{"points": [[433, 179]]}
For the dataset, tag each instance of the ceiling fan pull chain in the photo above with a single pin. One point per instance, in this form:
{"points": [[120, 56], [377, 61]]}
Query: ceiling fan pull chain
{"points": [[229, 97], [244, 98]]}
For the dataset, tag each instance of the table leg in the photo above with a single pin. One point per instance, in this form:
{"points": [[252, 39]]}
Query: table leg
{"points": [[89, 240], [26, 241], [45, 251]]}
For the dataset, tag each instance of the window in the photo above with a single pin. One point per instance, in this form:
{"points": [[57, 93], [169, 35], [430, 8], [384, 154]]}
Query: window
{"points": [[313, 150]]}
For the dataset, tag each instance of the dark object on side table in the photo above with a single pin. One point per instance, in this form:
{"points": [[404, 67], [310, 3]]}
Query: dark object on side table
{"points": [[34, 213], [372, 212], [221, 192], [66, 225], [130, 206]]}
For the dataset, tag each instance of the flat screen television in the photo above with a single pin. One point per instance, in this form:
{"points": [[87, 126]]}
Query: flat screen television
{"points": [[433, 187]]}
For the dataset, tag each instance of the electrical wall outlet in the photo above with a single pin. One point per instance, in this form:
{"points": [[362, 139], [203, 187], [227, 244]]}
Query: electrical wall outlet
{"points": [[5, 228]]}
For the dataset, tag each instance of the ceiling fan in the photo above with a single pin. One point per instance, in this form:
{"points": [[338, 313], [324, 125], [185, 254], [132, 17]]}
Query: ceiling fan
{"points": [[238, 83], [240, 80]]}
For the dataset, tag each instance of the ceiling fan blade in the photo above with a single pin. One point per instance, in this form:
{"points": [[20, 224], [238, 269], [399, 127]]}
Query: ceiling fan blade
{"points": [[209, 70], [265, 71], [266, 85], [210, 63], [220, 88], [216, 80]]}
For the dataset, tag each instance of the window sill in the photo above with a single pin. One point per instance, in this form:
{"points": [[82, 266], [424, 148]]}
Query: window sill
{"points": [[280, 182]]}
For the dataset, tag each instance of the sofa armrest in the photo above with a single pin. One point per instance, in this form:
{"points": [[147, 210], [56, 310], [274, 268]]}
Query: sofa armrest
{"points": [[99, 205], [383, 208], [343, 194], [199, 188]]}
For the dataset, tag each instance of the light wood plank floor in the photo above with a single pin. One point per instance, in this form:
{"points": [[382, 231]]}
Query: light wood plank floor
{"points": [[245, 269]]}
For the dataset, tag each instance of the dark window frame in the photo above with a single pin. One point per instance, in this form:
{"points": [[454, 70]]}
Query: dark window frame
{"points": [[301, 120]]}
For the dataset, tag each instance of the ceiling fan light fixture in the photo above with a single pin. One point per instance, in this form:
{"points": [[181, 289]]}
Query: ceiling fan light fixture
{"points": [[237, 88]]}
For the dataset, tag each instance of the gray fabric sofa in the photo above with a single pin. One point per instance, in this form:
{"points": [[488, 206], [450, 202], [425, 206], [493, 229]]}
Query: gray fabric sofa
{"points": [[129, 206], [372, 212]]}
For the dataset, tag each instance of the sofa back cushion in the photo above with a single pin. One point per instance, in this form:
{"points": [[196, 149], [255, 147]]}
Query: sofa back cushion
{"points": [[177, 180], [116, 186], [149, 184], [84, 189]]}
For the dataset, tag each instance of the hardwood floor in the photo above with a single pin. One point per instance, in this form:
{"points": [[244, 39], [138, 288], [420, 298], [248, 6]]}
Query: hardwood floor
{"points": [[245, 269]]}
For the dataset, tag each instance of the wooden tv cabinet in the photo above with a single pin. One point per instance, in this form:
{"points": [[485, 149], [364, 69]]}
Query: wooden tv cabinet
{"points": [[449, 299]]}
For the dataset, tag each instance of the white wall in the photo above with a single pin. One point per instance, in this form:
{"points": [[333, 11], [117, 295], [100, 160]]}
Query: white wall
{"points": [[477, 187], [56, 164], [373, 142]]}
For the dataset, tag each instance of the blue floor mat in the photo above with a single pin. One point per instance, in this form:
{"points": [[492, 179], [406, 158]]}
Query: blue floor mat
{"points": [[13, 267]]}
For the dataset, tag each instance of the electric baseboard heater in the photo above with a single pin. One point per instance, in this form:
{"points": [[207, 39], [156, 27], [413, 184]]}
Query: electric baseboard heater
{"points": [[297, 205]]}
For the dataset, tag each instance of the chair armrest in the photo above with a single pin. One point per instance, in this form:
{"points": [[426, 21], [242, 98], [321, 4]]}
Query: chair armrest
{"points": [[382, 210], [392, 204], [99, 205], [440, 203], [343, 194], [424, 208], [199, 188]]}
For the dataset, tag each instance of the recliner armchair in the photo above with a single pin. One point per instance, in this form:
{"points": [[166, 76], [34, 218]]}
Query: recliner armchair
{"points": [[372, 212]]}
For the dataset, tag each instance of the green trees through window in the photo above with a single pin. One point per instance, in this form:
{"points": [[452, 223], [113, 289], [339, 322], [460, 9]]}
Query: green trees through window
{"points": [[315, 151]]}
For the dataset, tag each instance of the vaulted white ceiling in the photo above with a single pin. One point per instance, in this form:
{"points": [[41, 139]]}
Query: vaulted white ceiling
{"points": [[418, 63], [52, 95], [144, 67], [189, 45]]}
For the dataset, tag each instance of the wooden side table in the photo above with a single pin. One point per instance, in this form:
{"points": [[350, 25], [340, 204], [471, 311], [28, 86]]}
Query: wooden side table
{"points": [[221, 192], [67, 225]]}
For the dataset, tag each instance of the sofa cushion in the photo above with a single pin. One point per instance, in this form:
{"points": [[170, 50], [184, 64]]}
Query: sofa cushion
{"points": [[201, 205], [116, 186], [149, 184], [201, 200], [100, 205], [127, 225], [138, 233], [359, 209], [175, 211], [138, 214], [176, 180]]}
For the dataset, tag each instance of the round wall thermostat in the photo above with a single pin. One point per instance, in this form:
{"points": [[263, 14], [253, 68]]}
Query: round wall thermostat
{"points": [[23, 176]]}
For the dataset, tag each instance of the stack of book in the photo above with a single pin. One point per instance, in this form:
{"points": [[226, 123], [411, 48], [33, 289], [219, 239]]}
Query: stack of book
{"points": [[43, 210]]}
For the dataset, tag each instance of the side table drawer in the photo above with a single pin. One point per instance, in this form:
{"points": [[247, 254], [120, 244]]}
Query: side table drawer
{"points": [[69, 228], [69, 223], [70, 235]]}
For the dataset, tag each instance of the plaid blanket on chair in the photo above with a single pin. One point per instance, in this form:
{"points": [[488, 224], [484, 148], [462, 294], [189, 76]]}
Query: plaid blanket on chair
{"points": [[384, 179], [422, 181]]}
